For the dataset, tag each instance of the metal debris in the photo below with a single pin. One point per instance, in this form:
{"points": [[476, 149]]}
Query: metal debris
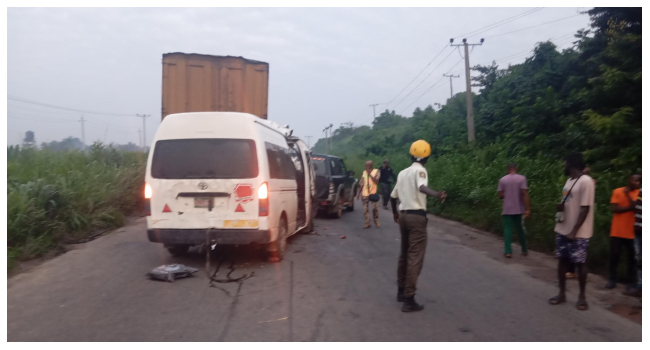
{"points": [[171, 272], [279, 319]]}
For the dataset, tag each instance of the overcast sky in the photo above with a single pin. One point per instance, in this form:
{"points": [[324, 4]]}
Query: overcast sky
{"points": [[326, 65]]}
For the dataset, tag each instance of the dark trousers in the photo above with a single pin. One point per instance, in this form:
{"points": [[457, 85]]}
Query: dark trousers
{"points": [[413, 229], [616, 245], [637, 246], [385, 192], [516, 222]]}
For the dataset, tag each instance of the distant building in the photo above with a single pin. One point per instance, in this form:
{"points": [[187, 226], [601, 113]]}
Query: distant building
{"points": [[29, 141]]}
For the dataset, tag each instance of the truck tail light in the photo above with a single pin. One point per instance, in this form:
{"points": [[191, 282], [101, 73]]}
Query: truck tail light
{"points": [[263, 197]]}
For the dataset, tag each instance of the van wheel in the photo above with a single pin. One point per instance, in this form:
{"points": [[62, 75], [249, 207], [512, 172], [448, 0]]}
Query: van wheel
{"points": [[178, 249], [275, 250]]}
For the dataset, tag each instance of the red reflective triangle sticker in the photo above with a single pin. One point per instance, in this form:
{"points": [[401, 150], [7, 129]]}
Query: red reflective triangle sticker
{"points": [[239, 209], [166, 209]]}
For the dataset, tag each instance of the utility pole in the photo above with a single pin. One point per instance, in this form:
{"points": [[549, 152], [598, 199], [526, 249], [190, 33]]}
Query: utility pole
{"points": [[471, 136], [451, 87], [374, 114], [327, 140], [140, 138], [330, 139], [308, 141], [144, 128], [83, 131]]}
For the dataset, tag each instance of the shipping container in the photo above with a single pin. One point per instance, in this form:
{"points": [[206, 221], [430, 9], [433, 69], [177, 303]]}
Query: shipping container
{"points": [[204, 83]]}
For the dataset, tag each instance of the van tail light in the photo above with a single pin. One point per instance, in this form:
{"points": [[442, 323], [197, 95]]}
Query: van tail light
{"points": [[147, 199], [263, 197], [147, 191]]}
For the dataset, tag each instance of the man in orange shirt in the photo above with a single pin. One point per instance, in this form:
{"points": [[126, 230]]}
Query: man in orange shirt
{"points": [[622, 232]]}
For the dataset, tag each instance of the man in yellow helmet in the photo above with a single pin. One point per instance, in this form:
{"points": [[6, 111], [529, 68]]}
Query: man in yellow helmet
{"points": [[411, 189]]}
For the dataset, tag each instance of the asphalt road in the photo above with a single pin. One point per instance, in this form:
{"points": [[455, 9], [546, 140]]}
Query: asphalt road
{"points": [[327, 289]]}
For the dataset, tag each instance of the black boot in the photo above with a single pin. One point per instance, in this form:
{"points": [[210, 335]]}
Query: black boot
{"points": [[410, 305], [400, 294]]}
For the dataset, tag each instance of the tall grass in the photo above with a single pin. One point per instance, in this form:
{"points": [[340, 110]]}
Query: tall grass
{"points": [[470, 179], [54, 197]]}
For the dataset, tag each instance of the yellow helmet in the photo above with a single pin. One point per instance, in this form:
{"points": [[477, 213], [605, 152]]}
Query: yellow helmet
{"points": [[420, 149]]}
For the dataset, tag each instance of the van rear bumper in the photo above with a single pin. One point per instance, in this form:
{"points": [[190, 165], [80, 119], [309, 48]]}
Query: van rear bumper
{"points": [[197, 236]]}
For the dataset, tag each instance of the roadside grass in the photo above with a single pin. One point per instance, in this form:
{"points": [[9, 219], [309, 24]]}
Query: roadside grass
{"points": [[54, 197], [470, 179]]}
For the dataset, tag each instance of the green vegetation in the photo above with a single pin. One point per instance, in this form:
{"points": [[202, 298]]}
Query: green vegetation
{"points": [[586, 98], [53, 197]]}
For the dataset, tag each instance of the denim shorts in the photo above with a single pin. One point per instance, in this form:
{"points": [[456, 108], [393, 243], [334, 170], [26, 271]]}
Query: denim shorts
{"points": [[573, 250]]}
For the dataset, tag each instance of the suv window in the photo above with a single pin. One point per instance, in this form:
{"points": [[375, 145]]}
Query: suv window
{"points": [[343, 172], [336, 166], [280, 164], [204, 159], [321, 165]]}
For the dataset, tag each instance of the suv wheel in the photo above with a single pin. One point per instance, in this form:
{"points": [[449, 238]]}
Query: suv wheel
{"points": [[351, 206], [339, 207]]}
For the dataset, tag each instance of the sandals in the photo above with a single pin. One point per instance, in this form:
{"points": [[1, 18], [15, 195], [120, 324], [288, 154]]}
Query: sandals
{"points": [[508, 256], [582, 305], [556, 300]]}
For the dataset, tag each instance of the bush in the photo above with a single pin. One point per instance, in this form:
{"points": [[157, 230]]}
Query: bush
{"points": [[58, 196]]}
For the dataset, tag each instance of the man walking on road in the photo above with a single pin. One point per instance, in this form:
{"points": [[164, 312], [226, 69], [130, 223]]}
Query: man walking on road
{"points": [[386, 173], [623, 203], [369, 181], [574, 227], [513, 190], [412, 190]]}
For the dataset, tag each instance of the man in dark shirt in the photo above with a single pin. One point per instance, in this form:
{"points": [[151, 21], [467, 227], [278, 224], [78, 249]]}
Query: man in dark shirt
{"points": [[385, 174]]}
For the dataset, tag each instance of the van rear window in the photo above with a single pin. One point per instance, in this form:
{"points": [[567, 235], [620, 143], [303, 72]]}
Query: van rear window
{"points": [[204, 159]]}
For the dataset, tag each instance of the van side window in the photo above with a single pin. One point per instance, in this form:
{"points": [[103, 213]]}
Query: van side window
{"points": [[280, 163]]}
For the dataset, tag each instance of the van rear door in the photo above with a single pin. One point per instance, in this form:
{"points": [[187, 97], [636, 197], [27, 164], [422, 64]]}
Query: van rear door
{"points": [[205, 183]]}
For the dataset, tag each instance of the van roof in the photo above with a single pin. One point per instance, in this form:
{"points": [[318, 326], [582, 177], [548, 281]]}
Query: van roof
{"points": [[211, 124]]}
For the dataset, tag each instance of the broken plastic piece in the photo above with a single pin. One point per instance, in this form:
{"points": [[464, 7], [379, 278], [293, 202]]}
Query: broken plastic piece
{"points": [[171, 272]]}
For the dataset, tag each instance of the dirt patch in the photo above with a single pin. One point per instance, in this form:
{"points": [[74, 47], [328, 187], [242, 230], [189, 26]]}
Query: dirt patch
{"points": [[28, 265]]}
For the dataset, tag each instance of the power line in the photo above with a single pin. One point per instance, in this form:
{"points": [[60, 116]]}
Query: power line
{"points": [[42, 120], [541, 24], [561, 37], [38, 118], [66, 108], [407, 85], [425, 78], [40, 110], [500, 23], [431, 86]]}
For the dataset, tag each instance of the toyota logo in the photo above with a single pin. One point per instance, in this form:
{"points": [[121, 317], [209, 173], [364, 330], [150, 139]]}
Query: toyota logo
{"points": [[203, 186]]}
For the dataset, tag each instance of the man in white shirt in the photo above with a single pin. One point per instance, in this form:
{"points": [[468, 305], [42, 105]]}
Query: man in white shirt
{"points": [[574, 228], [411, 189]]}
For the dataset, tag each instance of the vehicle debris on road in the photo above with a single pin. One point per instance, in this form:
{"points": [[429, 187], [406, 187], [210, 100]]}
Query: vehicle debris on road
{"points": [[171, 272]]}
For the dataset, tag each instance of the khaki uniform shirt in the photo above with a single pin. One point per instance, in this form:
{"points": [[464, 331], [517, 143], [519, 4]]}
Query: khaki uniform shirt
{"points": [[407, 188]]}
